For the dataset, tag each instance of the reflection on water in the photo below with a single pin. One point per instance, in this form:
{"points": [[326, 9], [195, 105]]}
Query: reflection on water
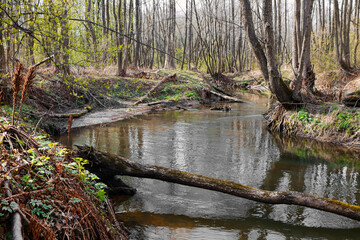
{"points": [[228, 145]]}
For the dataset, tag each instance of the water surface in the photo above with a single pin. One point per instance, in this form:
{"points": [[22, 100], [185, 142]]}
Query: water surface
{"points": [[234, 146]]}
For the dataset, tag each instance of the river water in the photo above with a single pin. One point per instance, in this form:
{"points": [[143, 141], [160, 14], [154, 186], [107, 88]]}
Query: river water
{"points": [[234, 146]]}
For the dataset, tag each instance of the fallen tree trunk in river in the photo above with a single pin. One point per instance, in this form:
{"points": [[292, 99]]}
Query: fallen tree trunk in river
{"points": [[109, 165]]}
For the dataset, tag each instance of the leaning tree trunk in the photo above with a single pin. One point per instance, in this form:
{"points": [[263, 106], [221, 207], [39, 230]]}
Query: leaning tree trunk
{"points": [[267, 62], [303, 71], [277, 85], [108, 166]]}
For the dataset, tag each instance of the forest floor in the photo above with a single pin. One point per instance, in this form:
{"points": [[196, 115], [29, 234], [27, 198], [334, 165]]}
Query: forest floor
{"points": [[29, 159]]}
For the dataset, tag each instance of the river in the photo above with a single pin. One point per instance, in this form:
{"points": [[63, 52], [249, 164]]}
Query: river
{"points": [[234, 146]]}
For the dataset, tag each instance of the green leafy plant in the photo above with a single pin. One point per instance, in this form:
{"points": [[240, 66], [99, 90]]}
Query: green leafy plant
{"points": [[40, 208]]}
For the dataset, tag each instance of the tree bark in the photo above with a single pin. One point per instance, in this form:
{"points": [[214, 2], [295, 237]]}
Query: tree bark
{"points": [[138, 32], [342, 31], [303, 71], [127, 41], [110, 165], [2, 48], [267, 62], [153, 35], [296, 37], [252, 39], [120, 39], [65, 41], [186, 34], [169, 60], [88, 17], [190, 34]]}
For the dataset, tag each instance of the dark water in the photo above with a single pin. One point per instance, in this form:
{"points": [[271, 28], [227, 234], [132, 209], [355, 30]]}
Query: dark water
{"points": [[234, 146]]}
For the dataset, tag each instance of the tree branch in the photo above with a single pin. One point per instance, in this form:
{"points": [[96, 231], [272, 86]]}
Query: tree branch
{"points": [[124, 35]]}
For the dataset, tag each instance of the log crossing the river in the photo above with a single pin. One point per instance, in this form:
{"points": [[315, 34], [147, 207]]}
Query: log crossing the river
{"points": [[107, 166]]}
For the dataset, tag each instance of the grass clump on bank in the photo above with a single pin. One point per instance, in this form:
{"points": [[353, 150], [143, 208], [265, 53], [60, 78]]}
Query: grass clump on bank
{"points": [[327, 122]]}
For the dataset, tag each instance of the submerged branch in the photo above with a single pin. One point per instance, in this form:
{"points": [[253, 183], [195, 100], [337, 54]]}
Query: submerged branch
{"points": [[109, 165]]}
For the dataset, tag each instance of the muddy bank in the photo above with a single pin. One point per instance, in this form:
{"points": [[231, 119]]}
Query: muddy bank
{"points": [[129, 110]]}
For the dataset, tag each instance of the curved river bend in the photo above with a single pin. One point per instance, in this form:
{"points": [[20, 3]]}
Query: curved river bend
{"points": [[235, 146]]}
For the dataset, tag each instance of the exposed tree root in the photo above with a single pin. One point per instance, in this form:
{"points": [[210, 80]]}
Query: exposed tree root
{"points": [[111, 165]]}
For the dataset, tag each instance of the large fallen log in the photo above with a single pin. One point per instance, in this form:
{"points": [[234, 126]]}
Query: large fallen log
{"points": [[109, 165]]}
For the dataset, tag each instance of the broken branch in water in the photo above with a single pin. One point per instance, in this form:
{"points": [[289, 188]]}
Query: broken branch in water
{"points": [[108, 165]]}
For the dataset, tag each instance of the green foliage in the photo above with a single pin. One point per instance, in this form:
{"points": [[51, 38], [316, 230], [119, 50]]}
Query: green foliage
{"points": [[101, 194], [75, 200], [40, 208], [192, 95]]}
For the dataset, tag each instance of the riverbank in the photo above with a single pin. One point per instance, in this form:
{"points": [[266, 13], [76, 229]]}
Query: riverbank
{"points": [[332, 116], [333, 123], [44, 185]]}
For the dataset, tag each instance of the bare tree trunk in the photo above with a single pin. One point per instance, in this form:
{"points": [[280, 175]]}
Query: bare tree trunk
{"points": [[252, 39], [65, 41], [307, 73], [138, 32], [342, 32], [276, 84], [2, 48], [30, 40], [120, 39], [107, 166], [127, 40], [169, 60], [88, 17], [186, 33], [233, 39], [279, 29], [190, 34], [267, 63], [153, 35], [275, 30], [357, 38], [296, 37], [304, 72]]}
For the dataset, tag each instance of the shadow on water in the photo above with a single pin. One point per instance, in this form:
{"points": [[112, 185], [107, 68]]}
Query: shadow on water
{"points": [[314, 151], [242, 227]]}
